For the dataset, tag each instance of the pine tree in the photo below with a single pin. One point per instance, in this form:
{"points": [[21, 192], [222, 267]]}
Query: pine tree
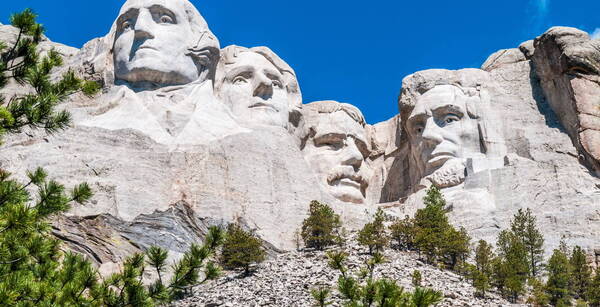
{"points": [[524, 226], [322, 227], [241, 249], [402, 232], [538, 297], [593, 293], [456, 247], [514, 265], [32, 266], [557, 285], [373, 234], [431, 225], [580, 274], [484, 267]]}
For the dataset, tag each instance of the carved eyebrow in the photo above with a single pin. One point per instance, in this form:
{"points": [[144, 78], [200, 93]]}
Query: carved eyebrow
{"points": [[329, 137], [240, 70], [128, 14], [157, 8], [453, 108], [273, 74]]}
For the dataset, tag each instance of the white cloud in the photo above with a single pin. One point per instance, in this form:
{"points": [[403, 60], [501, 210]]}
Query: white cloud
{"points": [[596, 34]]}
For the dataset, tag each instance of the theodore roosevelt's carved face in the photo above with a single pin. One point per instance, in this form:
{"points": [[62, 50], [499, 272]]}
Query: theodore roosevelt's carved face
{"points": [[152, 41], [336, 150], [441, 130], [255, 90]]}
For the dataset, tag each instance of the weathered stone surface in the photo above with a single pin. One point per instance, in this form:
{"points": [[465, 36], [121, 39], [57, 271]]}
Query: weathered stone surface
{"points": [[568, 63], [288, 279], [194, 136]]}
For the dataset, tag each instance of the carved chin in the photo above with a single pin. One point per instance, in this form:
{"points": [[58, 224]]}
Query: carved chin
{"points": [[450, 174]]}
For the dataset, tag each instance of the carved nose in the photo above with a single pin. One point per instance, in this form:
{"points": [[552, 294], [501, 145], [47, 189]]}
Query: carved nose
{"points": [[143, 25], [352, 156], [264, 88], [432, 134]]}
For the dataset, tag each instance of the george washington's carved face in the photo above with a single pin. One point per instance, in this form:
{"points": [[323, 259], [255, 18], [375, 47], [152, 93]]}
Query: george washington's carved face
{"points": [[152, 41]]}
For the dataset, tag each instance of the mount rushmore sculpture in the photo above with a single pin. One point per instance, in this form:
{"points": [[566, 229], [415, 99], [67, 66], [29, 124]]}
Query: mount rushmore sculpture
{"points": [[186, 134]]}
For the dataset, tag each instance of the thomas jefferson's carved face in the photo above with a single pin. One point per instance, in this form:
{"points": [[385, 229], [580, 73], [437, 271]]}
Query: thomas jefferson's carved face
{"points": [[440, 129], [152, 41], [254, 89], [336, 153]]}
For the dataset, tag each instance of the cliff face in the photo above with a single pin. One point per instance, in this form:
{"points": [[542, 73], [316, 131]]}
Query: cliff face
{"points": [[220, 135]]}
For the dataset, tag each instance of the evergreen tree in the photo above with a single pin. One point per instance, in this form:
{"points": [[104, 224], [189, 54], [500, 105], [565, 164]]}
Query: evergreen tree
{"points": [[373, 234], [514, 265], [538, 297], [33, 269], [593, 293], [484, 267], [455, 249], [402, 233], [580, 274], [322, 227], [557, 285], [431, 225], [524, 226], [241, 249], [320, 295]]}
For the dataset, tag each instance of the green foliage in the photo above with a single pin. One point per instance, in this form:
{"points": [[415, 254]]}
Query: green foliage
{"points": [[362, 289], [512, 265], [435, 237], [593, 293], [417, 278], [524, 227], [373, 234], [322, 227], [320, 295], [580, 273], [241, 249], [557, 285], [402, 233], [25, 65], [483, 267], [538, 295]]}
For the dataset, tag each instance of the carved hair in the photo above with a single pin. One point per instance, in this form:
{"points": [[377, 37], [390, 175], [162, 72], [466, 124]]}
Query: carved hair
{"points": [[328, 106]]}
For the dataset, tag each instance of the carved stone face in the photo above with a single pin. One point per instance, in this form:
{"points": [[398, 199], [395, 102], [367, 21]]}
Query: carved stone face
{"points": [[336, 153], [254, 90], [441, 130], [152, 41]]}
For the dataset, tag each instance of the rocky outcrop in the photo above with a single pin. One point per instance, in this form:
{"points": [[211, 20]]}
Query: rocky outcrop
{"points": [[568, 63], [288, 279]]}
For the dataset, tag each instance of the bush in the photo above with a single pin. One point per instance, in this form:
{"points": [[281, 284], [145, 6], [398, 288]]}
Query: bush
{"points": [[322, 227], [402, 233], [373, 235], [241, 249]]}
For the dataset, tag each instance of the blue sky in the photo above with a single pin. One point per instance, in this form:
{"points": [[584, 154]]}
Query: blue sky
{"points": [[350, 51]]}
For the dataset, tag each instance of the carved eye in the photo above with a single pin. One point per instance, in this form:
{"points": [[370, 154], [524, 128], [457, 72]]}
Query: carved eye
{"points": [[277, 83], [166, 19], [126, 25], [450, 118], [239, 80]]}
